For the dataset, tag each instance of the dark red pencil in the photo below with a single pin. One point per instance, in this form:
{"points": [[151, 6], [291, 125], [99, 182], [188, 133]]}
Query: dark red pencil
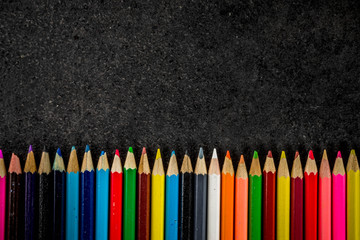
{"points": [[143, 201], [311, 187], [296, 200], [269, 176]]}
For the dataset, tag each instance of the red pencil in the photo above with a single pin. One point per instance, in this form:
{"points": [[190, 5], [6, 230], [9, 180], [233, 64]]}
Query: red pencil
{"points": [[296, 200], [311, 191], [116, 185], [269, 176]]}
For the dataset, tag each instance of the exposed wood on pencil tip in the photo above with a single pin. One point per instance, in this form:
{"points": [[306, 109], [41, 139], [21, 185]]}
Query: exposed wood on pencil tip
{"points": [[158, 168], [200, 166], [241, 171], [269, 163], [297, 171], [173, 166], [352, 164], [103, 163], [116, 165], [144, 167], [58, 164], [310, 166], [130, 160], [73, 164], [339, 165], [15, 166], [30, 164], [228, 166], [214, 167], [186, 166], [283, 169], [87, 163], [255, 168], [325, 171], [44, 166], [2, 165]]}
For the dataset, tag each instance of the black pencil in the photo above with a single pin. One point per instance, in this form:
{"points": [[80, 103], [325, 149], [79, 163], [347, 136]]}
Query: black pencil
{"points": [[58, 209], [12, 228], [44, 205], [186, 200], [200, 197]]}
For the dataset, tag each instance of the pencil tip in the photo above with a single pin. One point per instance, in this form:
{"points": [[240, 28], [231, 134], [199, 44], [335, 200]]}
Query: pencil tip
{"points": [[1, 154], [201, 153], [73, 148], [186, 153], [131, 150], [352, 152], [172, 153], [339, 154], [87, 148], [255, 154], [296, 154], [144, 150], [58, 151], [214, 154], [269, 154], [117, 152], [30, 148], [282, 154], [311, 155], [158, 154], [102, 153], [228, 155], [242, 160], [44, 149]]}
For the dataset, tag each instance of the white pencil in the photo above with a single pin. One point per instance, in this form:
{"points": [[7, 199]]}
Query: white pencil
{"points": [[213, 211]]}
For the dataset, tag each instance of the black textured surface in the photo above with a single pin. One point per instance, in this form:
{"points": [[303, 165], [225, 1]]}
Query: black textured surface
{"points": [[237, 75]]}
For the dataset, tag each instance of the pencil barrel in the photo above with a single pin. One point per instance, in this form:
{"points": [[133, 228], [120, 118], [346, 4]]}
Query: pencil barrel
{"points": [[255, 188], [44, 206], [116, 193], [129, 204], [186, 206], [102, 204], [241, 208], [58, 214], [87, 204]]}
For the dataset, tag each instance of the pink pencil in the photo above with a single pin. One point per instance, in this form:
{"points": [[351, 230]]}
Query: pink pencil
{"points": [[2, 196], [339, 199], [324, 199]]}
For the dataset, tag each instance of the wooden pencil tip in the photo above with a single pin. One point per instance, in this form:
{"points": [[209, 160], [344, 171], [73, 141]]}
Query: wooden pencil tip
{"points": [[201, 153], [339, 154], [172, 153], [214, 154], [131, 150], [58, 152], [1, 154], [242, 160], [73, 148], [325, 155], [269, 154], [255, 154], [143, 150], [158, 154], [311, 155], [296, 154], [117, 153], [228, 155], [352, 152], [14, 166], [283, 155], [87, 148]]}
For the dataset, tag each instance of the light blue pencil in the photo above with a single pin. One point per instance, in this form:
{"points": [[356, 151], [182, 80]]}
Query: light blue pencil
{"points": [[72, 197], [172, 199], [102, 198]]}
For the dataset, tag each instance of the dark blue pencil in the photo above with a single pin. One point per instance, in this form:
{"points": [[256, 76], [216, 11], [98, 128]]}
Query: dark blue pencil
{"points": [[30, 191], [58, 220], [87, 176]]}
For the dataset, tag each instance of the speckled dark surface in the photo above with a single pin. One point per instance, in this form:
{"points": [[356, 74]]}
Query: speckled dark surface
{"points": [[237, 75]]}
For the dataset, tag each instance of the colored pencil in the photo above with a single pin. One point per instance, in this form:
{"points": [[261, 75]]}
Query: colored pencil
{"points": [[2, 196], [116, 193], [129, 198], [87, 195], [200, 196], [30, 194], [296, 199], [72, 197], [12, 230], [241, 201], [269, 183], [172, 199], [227, 199], [58, 220], [186, 199], [255, 185], [157, 199], [353, 197], [44, 203], [283, 200], [324, 199], [102, 197], [143, 200], [311, 191], [213, 204], [338, 200]]}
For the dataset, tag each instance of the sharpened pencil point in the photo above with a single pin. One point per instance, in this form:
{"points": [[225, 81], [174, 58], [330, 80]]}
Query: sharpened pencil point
{"points": [[117, 152], [282, 154], [201, 153], [1, 154], [228, 155], [131, 150], [158, 154], [296, 154], [59, 152], [87, 148], [73, 148], [339, 154], [242, 160], [186, 153], [214, 154], [255, 154], [102, 153], [311, 155], [269, 154], [144, 150], [172, 153], [30, 148], [44, 149], [352, 152]]}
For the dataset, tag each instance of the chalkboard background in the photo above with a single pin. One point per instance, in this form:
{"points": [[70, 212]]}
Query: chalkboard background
{"points": [[235, 75]]}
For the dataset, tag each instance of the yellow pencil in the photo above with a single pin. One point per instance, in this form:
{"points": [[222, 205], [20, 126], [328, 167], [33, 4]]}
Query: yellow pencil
{"points": [[283, 200], [157, 199], [353, 197]]}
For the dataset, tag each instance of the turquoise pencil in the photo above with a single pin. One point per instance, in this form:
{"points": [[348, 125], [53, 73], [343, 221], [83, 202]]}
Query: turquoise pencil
{"points": [[72, 197], [172, 199], [102, 197]]}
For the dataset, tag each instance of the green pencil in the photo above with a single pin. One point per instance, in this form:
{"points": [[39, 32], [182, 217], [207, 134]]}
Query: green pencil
{"points": [[255, 182], [129, 205]]}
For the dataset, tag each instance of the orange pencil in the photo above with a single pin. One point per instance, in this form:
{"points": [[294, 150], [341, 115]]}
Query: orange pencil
{"points": [[241, 201], [227, 199]]}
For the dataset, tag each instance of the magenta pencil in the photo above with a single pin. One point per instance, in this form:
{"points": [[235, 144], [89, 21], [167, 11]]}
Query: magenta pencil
{"points": [[339, 200], [2, 196]]}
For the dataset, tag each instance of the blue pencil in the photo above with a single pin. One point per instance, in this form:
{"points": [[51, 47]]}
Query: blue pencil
{"points": [[172, 199], [87, 176], [72, 197], [102, 197], [30, 190]]}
